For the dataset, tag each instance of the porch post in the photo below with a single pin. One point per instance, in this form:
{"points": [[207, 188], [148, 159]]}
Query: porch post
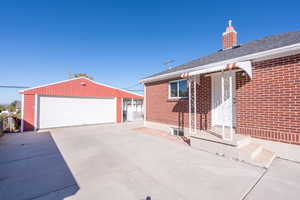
{"points": [[223, 115], [195, 104], [231, 96], [190, 107]]}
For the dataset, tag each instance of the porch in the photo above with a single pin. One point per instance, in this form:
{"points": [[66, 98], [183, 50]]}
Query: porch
{"points": [[240, 148], [219, 135], [221, 100]]}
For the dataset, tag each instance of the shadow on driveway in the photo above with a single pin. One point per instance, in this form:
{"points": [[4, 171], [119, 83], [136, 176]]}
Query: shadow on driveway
{"points": [[32, 167]]}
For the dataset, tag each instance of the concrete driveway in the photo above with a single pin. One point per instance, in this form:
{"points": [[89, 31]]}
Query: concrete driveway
{"points": [[116, 162]]}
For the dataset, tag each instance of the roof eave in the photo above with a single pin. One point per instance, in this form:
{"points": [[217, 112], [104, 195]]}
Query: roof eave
{"points": [[256, 56]]}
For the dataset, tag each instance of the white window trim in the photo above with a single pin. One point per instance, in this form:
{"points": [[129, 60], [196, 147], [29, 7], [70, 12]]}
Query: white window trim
{"points": [[169, 90]]}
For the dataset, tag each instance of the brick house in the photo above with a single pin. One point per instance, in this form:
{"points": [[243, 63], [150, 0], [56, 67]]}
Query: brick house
{"points": [[250, 89]]}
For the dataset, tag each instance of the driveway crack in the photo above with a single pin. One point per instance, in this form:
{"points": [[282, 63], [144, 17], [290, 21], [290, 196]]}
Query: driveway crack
{"points": [[254, 185]]}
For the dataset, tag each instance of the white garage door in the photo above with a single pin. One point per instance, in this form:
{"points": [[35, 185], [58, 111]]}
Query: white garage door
{"points": [[73, 111]]}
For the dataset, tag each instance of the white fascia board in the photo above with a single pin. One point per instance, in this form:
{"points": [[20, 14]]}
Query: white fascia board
{"points": [[259, 55]]}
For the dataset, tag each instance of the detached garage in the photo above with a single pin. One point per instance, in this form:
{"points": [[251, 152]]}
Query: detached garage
{"points": [[72, 102]]}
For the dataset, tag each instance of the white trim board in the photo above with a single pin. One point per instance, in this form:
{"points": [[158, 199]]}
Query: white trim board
{"points": [[36, 107], [145, 105], [22, 114], [121, 109]]}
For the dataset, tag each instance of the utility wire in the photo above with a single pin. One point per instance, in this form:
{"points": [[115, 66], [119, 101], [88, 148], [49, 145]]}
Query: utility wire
{"points": [[131, 86], [136, 90], [12, 86]]}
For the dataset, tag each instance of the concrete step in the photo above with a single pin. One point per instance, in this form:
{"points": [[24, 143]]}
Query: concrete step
{"points": [[265, 158], [249, 151], [256, 154], [246, 151]]}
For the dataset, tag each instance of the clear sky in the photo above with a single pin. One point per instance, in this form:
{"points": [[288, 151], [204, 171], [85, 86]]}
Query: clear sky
{"points": [[119, 42]]}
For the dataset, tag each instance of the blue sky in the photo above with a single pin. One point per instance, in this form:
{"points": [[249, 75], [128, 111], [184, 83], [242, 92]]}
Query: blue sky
{"points": [[119, 42]]}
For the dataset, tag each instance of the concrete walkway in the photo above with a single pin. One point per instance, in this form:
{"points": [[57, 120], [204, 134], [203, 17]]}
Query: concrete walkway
{"points": [[116, 162]]}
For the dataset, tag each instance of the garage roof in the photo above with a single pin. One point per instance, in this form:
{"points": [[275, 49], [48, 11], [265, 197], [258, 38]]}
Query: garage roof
{"points": [[67, 83]]}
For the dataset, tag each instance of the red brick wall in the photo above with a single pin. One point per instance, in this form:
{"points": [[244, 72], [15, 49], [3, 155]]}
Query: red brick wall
{"points": [[229, 40], [175, 112], [204, 103], [268, 106], [160, 109]]}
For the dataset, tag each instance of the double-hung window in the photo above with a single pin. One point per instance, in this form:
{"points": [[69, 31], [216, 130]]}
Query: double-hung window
{"points": [[178, 89]]}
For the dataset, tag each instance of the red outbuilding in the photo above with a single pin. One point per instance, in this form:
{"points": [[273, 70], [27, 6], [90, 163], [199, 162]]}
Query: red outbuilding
{"points": [[73, 102]]}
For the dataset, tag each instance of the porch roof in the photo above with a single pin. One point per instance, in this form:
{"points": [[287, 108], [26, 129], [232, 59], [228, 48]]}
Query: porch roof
{"points": [[246, 66]]}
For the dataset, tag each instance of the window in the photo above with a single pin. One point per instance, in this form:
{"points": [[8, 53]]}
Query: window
{"points": [[178, 89]]}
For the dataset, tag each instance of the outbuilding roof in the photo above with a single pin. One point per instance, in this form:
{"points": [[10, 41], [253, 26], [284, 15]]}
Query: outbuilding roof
{"points": [[72, 86], [256, 46]]}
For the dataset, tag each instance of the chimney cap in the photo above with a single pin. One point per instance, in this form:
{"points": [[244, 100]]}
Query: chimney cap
{"points": [[229, 28], [229, 37]]}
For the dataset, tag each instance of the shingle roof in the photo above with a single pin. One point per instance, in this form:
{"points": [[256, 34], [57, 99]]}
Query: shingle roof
{"points": [[256, 46]]}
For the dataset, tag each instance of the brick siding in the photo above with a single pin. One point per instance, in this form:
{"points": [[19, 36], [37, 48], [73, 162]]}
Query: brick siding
{"points": [[161, 109], [268, 106], [229, 40]]}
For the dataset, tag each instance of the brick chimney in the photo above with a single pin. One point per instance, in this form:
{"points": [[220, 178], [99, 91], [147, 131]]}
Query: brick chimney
{"points": [[229, 37]]}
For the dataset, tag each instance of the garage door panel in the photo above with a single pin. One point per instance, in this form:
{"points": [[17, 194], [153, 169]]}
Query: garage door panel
{"points": [[69, 111]]}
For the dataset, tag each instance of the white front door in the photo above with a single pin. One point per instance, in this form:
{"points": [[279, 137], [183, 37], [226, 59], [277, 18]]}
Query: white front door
{"points": [[223, 93]]}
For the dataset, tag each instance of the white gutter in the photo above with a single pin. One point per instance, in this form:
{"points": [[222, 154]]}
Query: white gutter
{"points": [[245, 66], [260, 55]]}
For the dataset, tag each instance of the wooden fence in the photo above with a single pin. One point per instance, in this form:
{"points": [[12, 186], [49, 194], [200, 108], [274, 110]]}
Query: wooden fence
{"points": [[9, 124]]}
